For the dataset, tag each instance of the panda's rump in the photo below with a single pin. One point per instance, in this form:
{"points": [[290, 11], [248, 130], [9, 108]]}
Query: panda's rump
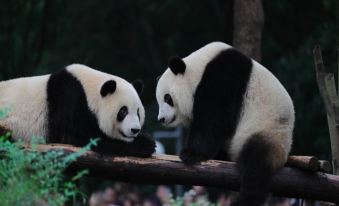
{"points": [[25, 100], [267, 110]]}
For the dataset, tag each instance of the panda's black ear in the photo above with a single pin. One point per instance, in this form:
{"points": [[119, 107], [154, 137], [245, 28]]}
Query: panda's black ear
{"points": [[177, 65], [108, 88], [138, 86]]}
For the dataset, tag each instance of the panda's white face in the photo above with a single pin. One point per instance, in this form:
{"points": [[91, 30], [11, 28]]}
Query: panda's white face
{"points": [[128, 123], [175, 99], [168, 114], [114, 101], [121, 113]]}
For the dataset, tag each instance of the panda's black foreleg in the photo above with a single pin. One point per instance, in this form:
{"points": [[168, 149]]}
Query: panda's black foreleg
{"points": [[256, 168], [204, 142], [142, 146]]}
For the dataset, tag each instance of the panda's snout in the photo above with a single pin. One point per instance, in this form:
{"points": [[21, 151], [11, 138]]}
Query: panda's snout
{"points": [[161, 120], [135, 130]]}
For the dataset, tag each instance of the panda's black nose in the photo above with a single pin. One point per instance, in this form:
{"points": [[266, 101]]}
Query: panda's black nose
{"points": [[135, 131], [161, 120]]}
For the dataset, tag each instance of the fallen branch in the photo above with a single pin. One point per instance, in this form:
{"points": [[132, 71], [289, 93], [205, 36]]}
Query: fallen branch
{"points": [[309, 163], [329, 94], [166, 169]]}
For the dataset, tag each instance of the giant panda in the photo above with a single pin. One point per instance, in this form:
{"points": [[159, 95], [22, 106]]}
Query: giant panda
{"points": [[234, 106], [75, 104]]}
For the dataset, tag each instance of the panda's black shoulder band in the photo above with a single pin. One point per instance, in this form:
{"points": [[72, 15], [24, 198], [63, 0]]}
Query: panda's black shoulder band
{"points": [[218, 101]]}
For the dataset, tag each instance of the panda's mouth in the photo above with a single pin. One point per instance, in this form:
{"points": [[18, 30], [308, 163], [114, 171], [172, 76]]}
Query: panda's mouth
{"points": [[173, 119], [125, 136]]}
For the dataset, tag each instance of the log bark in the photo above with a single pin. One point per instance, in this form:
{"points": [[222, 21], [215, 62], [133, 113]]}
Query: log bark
{"points": [[309, 163], [166, 169], [247, 27]]}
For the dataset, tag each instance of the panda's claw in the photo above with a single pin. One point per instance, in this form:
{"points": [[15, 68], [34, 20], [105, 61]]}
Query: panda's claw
{"points": [[142, 146], [191, 157], [146, 145]]}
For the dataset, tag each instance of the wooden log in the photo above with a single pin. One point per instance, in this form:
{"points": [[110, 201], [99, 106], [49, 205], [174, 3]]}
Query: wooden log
{"points": [[166, 169], [308, 163]]}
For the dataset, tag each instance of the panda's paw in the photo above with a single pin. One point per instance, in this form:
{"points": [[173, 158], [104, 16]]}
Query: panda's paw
{"points": [[146, 145], [191, 156]]}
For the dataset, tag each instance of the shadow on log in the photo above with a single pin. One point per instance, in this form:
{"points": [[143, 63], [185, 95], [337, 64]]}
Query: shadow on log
{"points": [[167, 169]]}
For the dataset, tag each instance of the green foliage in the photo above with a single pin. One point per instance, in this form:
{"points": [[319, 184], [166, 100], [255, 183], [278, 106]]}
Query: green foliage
{"points": [[34, 178]]}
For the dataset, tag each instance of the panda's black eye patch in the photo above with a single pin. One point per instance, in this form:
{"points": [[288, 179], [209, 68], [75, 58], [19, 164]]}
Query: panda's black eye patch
{"points": [[168, 100], [122, 113]]}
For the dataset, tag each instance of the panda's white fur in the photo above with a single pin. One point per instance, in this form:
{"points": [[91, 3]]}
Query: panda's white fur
{"points": [[26, 99], [266, 115], [267, 109]]}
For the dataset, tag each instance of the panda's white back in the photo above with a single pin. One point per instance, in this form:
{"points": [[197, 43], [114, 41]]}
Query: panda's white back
{"points": [[267, 108], [25, 99]]}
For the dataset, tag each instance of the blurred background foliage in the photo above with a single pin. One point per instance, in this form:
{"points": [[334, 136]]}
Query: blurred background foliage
{"points": [[134, 39]]}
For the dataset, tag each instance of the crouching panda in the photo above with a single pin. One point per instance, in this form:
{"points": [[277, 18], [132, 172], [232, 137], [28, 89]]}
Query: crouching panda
{"points": [[232, 105], [75, 104]]}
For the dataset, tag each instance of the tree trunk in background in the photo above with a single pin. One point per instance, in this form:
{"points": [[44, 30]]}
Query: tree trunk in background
{"points": [[247, 27]]}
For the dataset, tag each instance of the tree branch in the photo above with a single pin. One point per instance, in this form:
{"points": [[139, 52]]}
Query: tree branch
{"points": [[304, 162], [327, 88]]}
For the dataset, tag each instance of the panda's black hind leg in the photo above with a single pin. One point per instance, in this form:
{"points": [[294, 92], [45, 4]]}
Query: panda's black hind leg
{"points": [[256, 167]]}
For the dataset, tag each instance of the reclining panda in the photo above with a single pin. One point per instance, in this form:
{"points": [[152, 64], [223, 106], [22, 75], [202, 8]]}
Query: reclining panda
{"points": [[75, 104], [231, 104]]}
